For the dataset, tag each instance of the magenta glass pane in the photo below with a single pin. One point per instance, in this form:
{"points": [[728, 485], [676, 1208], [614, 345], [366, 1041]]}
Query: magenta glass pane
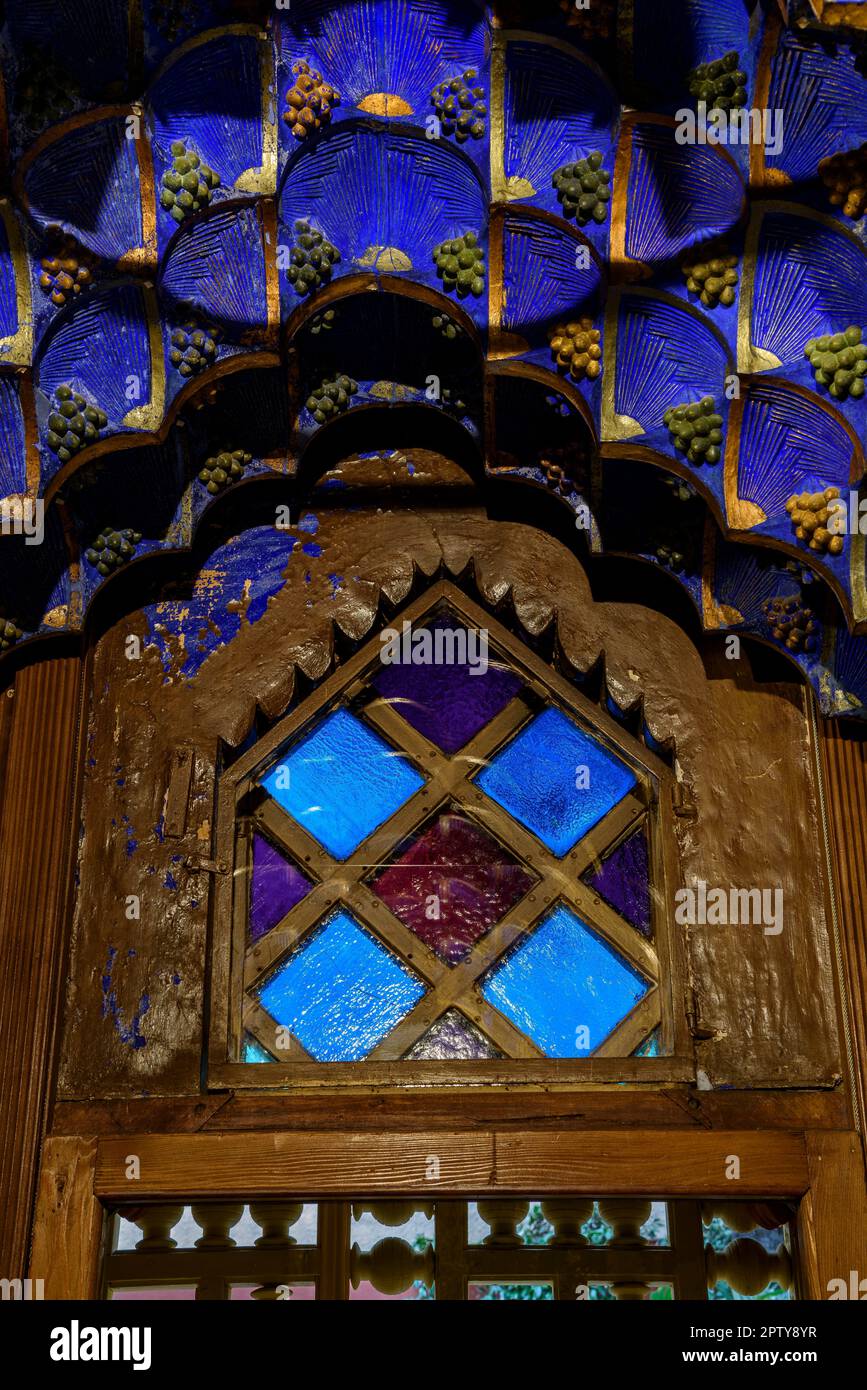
{"points": [[623, 881], [451, 1038], [451, 885], [277, 887], [446, 700]]}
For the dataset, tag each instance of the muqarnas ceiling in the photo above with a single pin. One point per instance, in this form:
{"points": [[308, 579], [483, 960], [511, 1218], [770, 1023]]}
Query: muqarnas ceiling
{"points": [[201, 197]]}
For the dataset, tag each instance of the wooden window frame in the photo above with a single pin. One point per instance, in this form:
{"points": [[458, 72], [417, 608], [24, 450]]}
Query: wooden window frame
{"points": [[237, 965], [83, 1177], [452, 1266]]}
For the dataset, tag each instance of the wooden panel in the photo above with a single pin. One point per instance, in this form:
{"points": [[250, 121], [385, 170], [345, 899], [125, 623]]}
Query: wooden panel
{"points": [[625, 1107], [67, 1230], [34, 881], [832, 1219], [300, 1164], [844, 757], [665, 1163]]}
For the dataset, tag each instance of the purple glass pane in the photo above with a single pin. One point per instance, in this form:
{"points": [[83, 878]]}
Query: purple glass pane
{"points": [[452, 884], [277, 887], [623, 882], [447, 700], [452, 1038]]}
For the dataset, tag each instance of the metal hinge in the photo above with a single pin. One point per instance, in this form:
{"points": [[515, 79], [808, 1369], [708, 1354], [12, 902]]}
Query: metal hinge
{"points": [[208, 866]]}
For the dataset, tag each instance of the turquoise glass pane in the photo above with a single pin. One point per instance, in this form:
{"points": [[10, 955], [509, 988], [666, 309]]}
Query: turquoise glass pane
{"points": [[556, 780], [341, 782], [254, 1051], [340, 992], [650, 1047], [561, 980]]}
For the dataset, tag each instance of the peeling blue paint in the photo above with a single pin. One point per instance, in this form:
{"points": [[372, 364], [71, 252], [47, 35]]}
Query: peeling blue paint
{"points": [[244, 573], [160, 829], [313, 549], [130, 1035], [170, 882], [309, 523]]}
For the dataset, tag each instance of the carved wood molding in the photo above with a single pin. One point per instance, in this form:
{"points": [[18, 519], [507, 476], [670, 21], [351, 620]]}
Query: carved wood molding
{"points": [[35, 844]]}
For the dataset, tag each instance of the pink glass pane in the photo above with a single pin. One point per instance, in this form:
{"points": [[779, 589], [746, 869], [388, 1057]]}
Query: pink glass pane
{"points": [[277, 887], [165, 1294], [367, 1293], [451, 885], [296, 1293]]}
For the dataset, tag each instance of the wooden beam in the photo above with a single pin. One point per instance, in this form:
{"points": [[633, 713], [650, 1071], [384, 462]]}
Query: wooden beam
{"points": [[831, 1228], [602, 1107], [69, 1221], [319, 1164], [662, 1162], [35, 843]]}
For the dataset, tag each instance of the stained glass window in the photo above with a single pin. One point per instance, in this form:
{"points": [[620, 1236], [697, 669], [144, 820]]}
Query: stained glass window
{"points": [[445, 857]]}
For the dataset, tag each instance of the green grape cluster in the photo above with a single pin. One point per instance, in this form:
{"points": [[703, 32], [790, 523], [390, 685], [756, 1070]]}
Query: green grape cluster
{"points": [[186, 187], [790, 622], [711, 273], [224, 468], [680, 490], [194, 347], [456, 402], [311, 261], [460, 265], [45, 94], [73, 423], [839, 362], [111, 549], [10, 632], [674, 559], [696, 430], [721, 83], [461, 107], [324, 322], [583, 189], [447, 327], [331, 398]]}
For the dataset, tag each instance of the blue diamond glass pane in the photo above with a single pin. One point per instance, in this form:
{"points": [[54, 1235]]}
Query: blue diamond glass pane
{"points": [[340, 992], [556, 780], [563, 979], [341, 782]]}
